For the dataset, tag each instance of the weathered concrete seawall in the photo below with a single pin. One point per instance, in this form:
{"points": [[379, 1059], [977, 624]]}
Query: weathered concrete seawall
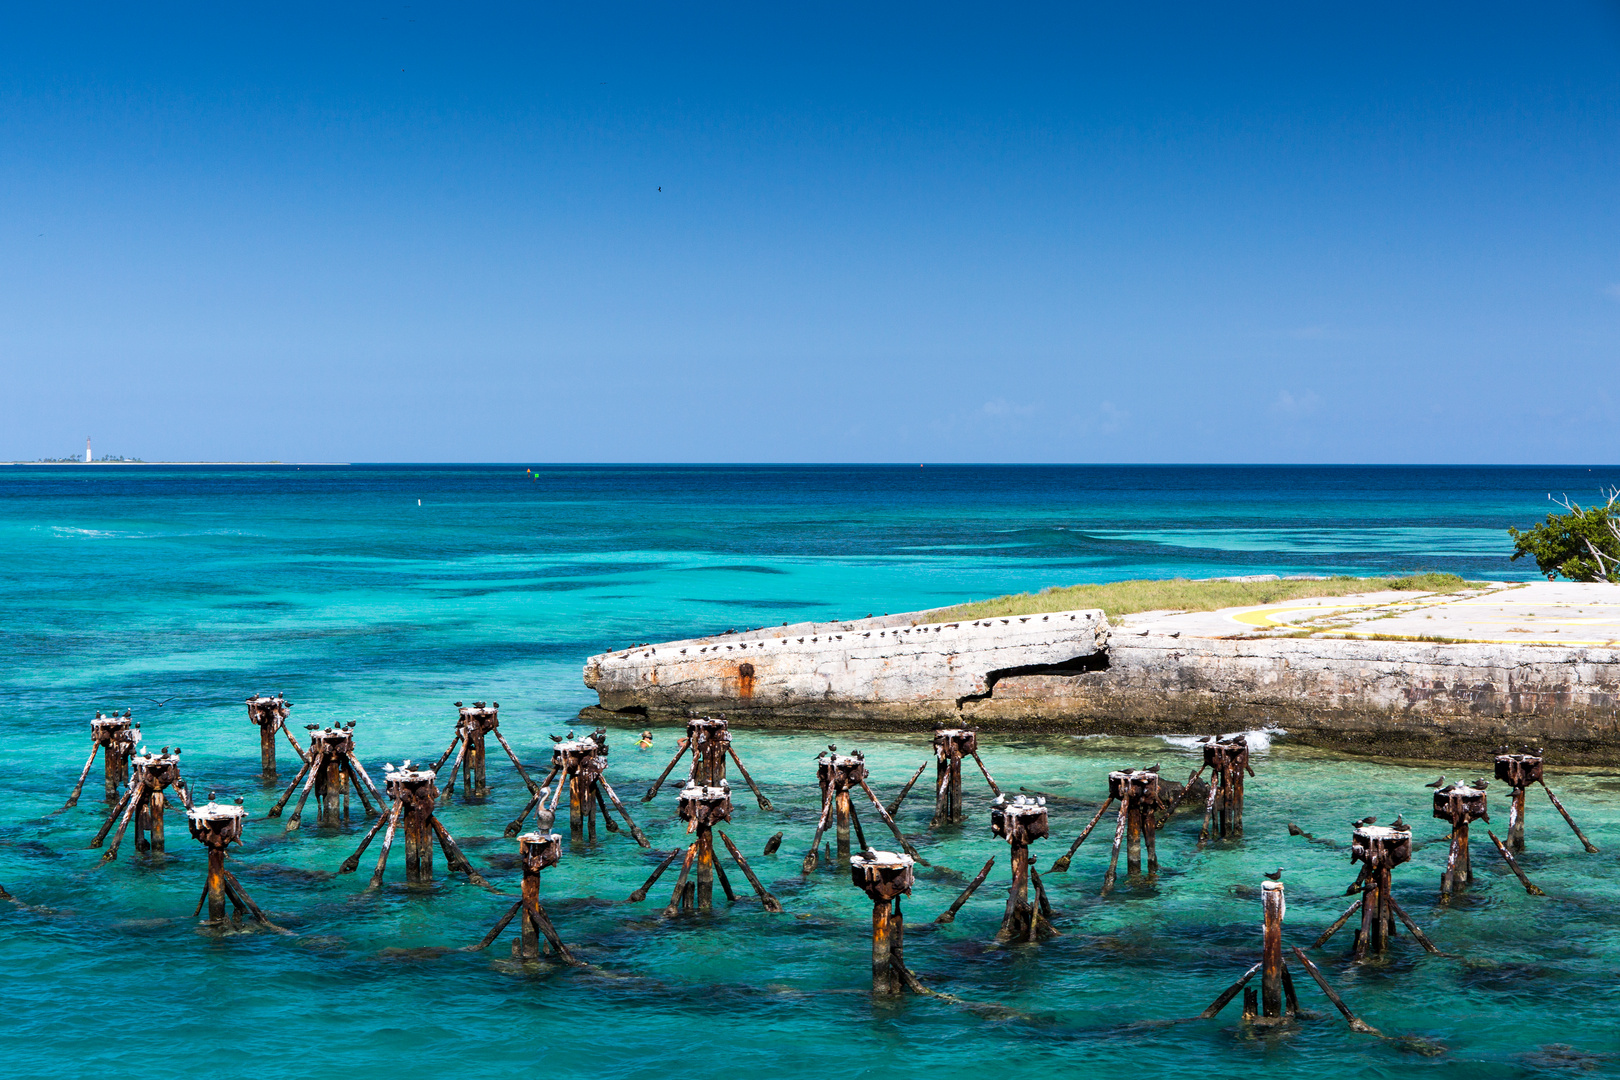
{"points": [[1070, 672], [895, 667], [1395, 698]]}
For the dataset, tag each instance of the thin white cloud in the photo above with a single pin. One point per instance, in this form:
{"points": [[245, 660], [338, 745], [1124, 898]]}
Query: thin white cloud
{"points": [[1294, 406], [1105, 419], [1001, 407]]}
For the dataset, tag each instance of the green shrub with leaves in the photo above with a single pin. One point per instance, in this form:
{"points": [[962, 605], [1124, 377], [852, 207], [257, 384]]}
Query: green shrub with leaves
{"points": [[1579, 544]]}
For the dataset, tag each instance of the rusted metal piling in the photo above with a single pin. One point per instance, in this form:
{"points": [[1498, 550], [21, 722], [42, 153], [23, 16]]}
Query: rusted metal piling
{"points": [[703, 808], [330, 769], [708, 740], [1153, 801], [1276, 982], [536, 851], [1379, 848], [838, 775], [1021, 821], [1274, 977], [1459, 804], [413, 795], [1519, 771], [885, 876], [216, 827], [474, 724], [835, 775], [951, 745], [1228, 759], [1277, 1001], [269, 715], [116, 738], [1141, 801], [144, 802], [577, 764]]}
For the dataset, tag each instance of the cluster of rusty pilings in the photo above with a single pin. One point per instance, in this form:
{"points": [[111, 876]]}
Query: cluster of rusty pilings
{"points": [[951, 745], [144, 802], [703, 807], [1277, 1002], [1141, 801], [578, 764], [216, 827], [473, 724], [1379, 849], [1519, 771], [1145, 800], [1021, 821], [1228, 759], [708, 740], [705, 802], [115, 737], [1458, 804], [536, 851], [330, 769], [413, 797], [838, 775], [886, 876]]}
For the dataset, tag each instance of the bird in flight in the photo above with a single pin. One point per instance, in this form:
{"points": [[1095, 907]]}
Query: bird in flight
{"points": [[158, 703]]}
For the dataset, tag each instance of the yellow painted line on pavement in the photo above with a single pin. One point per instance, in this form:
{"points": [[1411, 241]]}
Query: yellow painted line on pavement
{"points": [[1262, 616], [1488, 602], [1612, 643]]}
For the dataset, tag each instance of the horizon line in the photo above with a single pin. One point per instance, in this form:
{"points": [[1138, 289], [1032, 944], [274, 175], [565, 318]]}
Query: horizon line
{"points": [[531, 463]]}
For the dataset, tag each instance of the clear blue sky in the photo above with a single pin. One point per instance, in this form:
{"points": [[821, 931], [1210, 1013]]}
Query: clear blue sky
{"points": [[886, 232]]}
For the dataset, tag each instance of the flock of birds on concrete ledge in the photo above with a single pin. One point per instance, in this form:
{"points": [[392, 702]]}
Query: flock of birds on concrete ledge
{"points": [[138, 778]]}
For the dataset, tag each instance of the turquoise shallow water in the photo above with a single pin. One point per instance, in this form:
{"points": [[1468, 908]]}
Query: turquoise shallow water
{"points": [[122, 587]]}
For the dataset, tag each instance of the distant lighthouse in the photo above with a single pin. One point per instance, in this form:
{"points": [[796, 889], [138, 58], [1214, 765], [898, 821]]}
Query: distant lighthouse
{"points": [[87, 449]]}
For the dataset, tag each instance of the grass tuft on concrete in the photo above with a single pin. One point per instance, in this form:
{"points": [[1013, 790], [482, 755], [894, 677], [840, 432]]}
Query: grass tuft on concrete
{"points": [[1179, 594]]}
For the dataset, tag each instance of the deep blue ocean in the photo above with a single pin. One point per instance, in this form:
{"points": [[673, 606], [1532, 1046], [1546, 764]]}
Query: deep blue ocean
{"points": [[382, 594]]}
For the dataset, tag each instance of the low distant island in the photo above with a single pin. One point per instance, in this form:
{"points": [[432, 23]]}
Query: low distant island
{"points": [[106, 459], [114, 460]]}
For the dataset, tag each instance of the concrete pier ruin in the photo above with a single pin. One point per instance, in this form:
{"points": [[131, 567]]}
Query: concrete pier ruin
{"points": [[1348, 686]]}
